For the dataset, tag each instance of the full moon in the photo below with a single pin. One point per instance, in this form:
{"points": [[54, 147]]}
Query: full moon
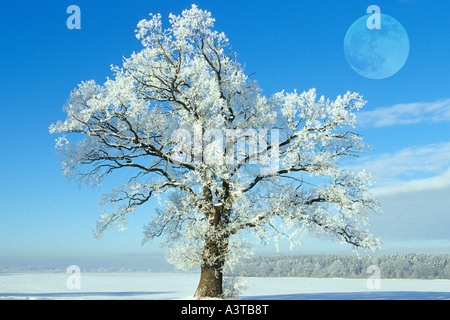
{"points": [[376, 53]]}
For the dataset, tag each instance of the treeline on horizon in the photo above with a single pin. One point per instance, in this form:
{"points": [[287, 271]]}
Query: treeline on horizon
{"points": [[392, 266]]}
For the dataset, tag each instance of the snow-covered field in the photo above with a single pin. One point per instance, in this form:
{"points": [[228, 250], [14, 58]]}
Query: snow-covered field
{"points": [[168, 286]]}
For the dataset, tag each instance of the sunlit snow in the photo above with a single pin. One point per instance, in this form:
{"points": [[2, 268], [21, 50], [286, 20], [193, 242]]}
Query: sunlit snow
{"points": [[170, 286]]}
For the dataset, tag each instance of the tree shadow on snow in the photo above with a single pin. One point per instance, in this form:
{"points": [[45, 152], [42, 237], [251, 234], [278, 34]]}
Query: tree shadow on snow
{"points": [[376, 295]]}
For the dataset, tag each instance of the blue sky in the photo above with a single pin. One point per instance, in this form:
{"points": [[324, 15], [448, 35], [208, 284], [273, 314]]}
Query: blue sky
{"points": [[289, 44]]}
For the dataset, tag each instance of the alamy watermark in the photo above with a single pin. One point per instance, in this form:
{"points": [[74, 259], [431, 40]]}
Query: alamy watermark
{"points": [[374, 280], [229, 147], [74, 20], [374, 21], [73, 282]]}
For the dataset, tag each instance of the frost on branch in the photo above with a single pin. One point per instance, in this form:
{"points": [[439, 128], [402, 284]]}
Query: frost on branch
{"points": [[183, 99]]}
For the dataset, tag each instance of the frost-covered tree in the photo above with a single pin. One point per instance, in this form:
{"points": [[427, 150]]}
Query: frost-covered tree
{"points": [[225, 161]]}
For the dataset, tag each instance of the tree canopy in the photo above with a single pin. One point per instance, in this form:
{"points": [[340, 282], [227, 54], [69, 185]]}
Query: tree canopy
{"points": [[195, 128]]}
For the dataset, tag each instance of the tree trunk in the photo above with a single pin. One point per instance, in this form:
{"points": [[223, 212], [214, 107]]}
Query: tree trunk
{"points": [[214, 255], [211, 281]]}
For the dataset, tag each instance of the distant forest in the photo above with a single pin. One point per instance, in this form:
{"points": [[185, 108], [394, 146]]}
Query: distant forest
{"points": [[395, 266]]}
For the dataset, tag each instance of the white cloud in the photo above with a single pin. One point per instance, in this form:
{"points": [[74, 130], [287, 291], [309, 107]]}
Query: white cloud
{"points": [[411, 169], [412, 184], [397, 187], [407, 113]]}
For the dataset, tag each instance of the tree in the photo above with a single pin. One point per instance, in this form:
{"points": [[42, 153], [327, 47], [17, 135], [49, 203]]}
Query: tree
{"points": [[225, 161]]}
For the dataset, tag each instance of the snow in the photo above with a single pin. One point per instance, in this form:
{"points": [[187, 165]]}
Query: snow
{"points": [[171, 286]]}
